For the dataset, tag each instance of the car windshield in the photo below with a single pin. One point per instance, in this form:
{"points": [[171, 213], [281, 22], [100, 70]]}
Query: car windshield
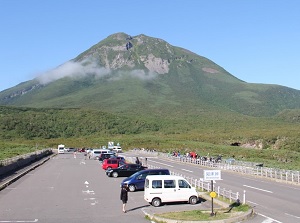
{"points": [[135, 174]]}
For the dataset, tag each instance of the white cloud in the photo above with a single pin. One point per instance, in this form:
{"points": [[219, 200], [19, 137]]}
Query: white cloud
{"points": [[73, 69], [84, 68]]}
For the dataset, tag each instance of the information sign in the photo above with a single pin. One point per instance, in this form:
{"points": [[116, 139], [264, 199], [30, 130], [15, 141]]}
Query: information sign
{"points": [[212, 175]]}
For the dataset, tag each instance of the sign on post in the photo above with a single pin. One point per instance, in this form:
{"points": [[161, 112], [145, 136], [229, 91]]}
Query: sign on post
{"points": [[212, 175]]}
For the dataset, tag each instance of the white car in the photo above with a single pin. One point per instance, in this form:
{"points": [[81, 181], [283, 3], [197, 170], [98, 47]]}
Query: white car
{"points": [[117, 149]]}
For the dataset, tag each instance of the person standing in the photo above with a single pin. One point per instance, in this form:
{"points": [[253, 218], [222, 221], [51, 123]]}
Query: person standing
{"points": [[137, 161], [124, 196]]}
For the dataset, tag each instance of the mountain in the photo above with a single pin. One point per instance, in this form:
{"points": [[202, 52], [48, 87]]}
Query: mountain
{"points": [[145, 75]]}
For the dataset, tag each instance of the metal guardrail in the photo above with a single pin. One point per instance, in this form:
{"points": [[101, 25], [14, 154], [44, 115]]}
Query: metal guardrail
{"points": [[202, 185], [277, 174], [206, 186], [288, 176]]}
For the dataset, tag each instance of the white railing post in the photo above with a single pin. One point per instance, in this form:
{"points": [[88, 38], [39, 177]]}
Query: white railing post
{"points": [[244, 197]]}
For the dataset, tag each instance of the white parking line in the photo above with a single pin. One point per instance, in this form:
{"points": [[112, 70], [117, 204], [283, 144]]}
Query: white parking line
{"points": [[268, 219], [187, 170], [35, 220], [291, 215], [252, 202], [162, 163], [258, 189]]}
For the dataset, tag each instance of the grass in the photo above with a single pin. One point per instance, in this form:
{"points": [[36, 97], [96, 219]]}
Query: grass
{"points": [[204, 215], [10, 150]]}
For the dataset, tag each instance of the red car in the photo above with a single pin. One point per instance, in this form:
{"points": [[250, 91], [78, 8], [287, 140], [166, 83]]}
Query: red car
{"points": [[108, 164]]}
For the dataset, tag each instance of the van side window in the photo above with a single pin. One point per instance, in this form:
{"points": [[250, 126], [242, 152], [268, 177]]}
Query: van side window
{"points": [[169, 184], [183, 184], [156, 184]]}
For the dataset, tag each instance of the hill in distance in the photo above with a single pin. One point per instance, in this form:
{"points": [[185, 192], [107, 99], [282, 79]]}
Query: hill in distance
{"points": [[142, 75]]}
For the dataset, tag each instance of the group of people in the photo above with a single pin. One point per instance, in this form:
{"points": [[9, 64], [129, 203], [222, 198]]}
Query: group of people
{"points": [[194, 155]]}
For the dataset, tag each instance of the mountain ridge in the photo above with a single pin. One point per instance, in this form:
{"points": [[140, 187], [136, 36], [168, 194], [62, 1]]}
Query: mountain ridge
{"points": [[118, 77]]}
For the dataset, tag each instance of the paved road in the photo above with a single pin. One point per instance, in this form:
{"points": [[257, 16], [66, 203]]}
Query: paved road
{"points": [[273, 201], [65, 189]]}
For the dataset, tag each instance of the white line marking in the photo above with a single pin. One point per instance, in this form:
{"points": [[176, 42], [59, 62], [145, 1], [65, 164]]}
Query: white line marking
{"points": [[258, 189], [268, 221], [252, 202], [269, 218], [292, 215], [161, 163], [88, 192], [35, 220], [187, 170]]}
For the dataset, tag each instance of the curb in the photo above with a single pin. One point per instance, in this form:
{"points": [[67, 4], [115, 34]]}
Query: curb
{"points": [[242, 217], [250, 213], [239, 218]]}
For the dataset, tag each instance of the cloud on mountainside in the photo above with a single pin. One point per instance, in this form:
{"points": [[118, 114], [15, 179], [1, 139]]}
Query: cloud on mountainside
{"points": [[81, 69]]}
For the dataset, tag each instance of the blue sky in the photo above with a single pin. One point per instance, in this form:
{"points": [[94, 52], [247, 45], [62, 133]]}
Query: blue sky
{"points": [[258, 41]]}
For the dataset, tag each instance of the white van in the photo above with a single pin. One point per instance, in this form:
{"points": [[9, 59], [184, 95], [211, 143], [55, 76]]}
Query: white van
{"points": [[168, 188], [61, 148], [96, 152], [117, 149]]}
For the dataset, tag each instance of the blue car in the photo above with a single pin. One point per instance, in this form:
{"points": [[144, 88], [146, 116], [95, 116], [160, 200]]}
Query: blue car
{"points": [[137, 181]]}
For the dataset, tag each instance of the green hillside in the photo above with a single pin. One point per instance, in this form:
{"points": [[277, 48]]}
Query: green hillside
{"points": [[153, 78], [276, 143], [152, 95]]}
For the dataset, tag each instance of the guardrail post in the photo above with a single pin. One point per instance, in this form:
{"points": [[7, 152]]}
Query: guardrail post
{"points": [[244, 197]]}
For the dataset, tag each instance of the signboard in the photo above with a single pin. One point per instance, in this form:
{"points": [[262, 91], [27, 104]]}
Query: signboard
{"points": [[212, 175]]}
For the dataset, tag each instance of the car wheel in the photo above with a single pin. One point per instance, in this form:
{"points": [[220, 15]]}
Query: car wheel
{"points": [[193, 200], [115, 174], [109, 168], [156, 202], [132, 188]]}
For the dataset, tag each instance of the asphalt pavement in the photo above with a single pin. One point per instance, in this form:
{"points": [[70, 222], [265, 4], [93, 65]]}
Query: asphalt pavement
{"points": [[64, 189]]}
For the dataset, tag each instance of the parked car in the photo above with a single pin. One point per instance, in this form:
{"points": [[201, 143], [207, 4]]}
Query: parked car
{"points": [[169, 188], [82, 150], [112, 163], [117, 149], [137, 180], [96, 152], [125, 170], [121, 158], [104, 156]]}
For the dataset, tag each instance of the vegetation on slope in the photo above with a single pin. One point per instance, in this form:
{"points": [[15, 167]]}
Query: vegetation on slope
{"points": [[276, 143]]}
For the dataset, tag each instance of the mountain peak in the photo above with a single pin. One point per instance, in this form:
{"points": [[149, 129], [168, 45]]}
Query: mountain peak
{"points": [[123, 72], [122, 51]]}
